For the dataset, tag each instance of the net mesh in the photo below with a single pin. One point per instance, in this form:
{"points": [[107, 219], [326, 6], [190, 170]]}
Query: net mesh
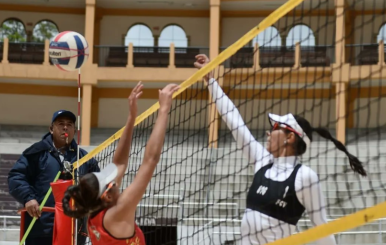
{"points": [[304, 64]]}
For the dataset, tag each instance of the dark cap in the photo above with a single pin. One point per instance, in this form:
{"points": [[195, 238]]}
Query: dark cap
{"points": [[64, 113]]}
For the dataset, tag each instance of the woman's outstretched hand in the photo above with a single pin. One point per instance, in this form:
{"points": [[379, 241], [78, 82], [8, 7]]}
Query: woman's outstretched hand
{"points": [[165, 96], [133, 98], [201, 61]]}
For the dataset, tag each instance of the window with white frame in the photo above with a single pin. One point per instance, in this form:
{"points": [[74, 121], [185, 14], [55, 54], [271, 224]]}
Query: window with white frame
{"points": [[302, 34], [140, 35], [270, 37], [173, 34]]}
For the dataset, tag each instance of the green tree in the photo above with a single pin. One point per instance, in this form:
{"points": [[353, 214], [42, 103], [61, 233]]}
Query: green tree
{"points": [[13, 30], [44, 30]]}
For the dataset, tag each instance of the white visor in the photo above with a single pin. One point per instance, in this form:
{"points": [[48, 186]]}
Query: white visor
{"points": [[105, 176], [290, 121]]}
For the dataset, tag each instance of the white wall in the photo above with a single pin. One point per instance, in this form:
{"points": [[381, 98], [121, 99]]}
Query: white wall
{"points": [[65, 22], [114, 28], [37, 110], [33, 109], [113, 113]]}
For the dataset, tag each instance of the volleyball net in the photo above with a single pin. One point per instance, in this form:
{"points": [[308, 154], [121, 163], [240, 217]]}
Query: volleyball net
{"points": [[321, 59]]}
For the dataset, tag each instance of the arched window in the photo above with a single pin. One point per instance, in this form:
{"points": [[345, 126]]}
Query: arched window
{"points": [[382, 34], [43, 30], [300, 33], [139, 35], [270, 37], [14, 30], [173, 34]]}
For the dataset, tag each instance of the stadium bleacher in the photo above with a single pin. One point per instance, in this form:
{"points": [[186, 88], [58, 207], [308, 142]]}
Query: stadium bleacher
{"points": [[301, 63], [344, 194]]}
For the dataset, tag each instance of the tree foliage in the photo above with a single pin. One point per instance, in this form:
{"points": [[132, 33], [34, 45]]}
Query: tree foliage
{"points": [[13, 30], [44, 30]]}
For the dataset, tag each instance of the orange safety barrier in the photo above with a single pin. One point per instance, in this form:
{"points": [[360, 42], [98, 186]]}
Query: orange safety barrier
{"points": [[22, 213], [61, 220]]}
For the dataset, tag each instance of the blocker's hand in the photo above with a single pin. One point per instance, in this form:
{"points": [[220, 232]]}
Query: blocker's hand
{"points": [[201, 61], [32, 208], [166, 96], [134, 96]]}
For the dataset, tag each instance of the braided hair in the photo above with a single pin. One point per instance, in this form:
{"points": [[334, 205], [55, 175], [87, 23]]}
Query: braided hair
{"points": [[300, 145]]}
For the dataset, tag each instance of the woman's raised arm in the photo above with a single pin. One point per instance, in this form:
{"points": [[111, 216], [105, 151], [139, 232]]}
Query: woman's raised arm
{"points": [[252, 149], [132, 195], [121, 156]]}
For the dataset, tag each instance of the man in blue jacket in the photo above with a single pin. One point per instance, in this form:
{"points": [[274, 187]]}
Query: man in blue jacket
{"points": [[30, 178]]}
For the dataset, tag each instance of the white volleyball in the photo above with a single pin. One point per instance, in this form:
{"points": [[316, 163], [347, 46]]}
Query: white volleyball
{"points": [[68, 51]]}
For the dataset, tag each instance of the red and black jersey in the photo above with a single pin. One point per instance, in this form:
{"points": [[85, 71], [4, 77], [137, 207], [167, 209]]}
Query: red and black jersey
{"points": [[100, 236]]}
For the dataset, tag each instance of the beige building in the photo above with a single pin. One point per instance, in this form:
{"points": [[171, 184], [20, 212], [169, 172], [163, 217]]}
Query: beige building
{"points": [[31, 88], [325, 60]]}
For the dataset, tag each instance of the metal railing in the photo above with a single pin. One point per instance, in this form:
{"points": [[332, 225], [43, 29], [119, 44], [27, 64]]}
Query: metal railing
{"points": [[130, 56], [4, 227], [26, 53], [281, 56], [365, 54], [183, 57]]}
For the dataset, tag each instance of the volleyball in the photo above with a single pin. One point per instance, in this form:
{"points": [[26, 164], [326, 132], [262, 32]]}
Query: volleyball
{"points": [[68, 51]]}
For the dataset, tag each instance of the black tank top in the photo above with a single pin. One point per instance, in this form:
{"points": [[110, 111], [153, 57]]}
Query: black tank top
{"points": [[274, 198]]}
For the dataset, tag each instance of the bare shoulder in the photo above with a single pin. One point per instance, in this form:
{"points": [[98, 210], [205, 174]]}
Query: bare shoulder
{"points": [[117, 227]]}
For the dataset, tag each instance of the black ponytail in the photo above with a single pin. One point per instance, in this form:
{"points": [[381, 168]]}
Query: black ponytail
{"points": [[355, 164], [85, 196]]}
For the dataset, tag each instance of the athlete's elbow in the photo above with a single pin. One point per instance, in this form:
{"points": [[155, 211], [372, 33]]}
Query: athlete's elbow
{"points": [[152, 159], [120, 162]]}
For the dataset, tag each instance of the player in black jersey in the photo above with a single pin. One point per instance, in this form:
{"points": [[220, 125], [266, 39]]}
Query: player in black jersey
{"points": [[283, 188]]}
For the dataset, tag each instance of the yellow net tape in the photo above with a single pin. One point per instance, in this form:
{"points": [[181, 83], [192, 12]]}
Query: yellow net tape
{"points": [[223, 56], [347, 222]]}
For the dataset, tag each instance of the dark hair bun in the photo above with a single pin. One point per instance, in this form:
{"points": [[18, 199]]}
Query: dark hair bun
{"points": [[73, 192]]}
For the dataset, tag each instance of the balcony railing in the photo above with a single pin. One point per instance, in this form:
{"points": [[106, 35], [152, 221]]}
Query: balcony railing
{"points": [[280, 56], [26, 53], [177, 57], [122, 56], [365, 54]]}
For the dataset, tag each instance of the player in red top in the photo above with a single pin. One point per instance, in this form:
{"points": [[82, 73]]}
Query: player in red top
{"points": [[111, 215]]}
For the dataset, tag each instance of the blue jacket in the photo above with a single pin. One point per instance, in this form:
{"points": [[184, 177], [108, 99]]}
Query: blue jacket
{"points": [[32, 174]]}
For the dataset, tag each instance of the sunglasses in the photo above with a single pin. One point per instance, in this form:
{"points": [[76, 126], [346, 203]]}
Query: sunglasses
{"points": [[277, 126], [109, 186]]}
